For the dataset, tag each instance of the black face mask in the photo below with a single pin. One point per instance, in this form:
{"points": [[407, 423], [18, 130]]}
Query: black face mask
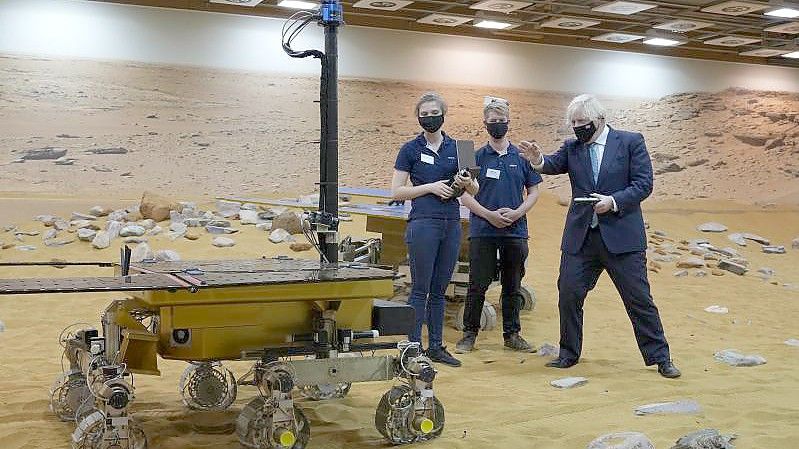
{"points": [[585, 132], [431, 123], [497, 130]]}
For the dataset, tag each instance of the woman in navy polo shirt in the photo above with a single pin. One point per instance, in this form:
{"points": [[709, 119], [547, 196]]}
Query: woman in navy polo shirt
{"points": [[433, 233]]}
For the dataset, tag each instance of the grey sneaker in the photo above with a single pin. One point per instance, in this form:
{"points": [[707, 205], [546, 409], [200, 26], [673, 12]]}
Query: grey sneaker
{"points": [[517, 343], [466, 344]]}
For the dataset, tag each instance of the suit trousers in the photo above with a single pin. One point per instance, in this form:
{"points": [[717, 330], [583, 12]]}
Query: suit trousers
{"points": [[579, 274]]}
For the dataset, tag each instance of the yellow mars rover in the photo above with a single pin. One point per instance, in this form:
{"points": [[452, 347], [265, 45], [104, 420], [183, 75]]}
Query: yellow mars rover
{"points": [[296, 321]]}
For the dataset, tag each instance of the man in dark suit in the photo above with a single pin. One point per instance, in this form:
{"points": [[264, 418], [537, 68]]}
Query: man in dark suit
{"points": [[614, 168]]}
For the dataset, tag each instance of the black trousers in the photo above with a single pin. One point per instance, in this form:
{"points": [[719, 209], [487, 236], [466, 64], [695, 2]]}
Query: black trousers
{"points": [[487, 257], [579, 274]]}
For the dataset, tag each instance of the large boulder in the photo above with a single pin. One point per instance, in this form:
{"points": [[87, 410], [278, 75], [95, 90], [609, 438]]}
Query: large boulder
{"points": [[157, 207], [288, 220]]}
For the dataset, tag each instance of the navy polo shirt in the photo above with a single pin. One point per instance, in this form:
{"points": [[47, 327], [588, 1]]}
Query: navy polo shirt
{"points": [[425, 166], [503, 179]]}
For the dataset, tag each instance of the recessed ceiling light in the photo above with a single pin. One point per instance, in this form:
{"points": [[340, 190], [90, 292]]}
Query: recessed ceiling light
{"points": [[444, 20], [500, 5], [731, 41], [763, 52], [735, 8], [625, 8], [787, 13], [792, 55], [661, 42], [294, 4], [385, 6], [569, 23], [682, 26], [494, 25], [787, 28], [617, 38], [238, 2]]}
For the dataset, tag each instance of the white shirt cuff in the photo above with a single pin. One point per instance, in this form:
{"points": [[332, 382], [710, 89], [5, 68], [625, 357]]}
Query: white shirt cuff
{"points": [[540, 166], [615, 206]]}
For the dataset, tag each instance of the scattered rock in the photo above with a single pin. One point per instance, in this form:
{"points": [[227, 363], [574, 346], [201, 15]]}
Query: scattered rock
{"points": [[220, 230], [717, 272], [265, 226], [730, 252], [219, 223], [669, 408], [690, 262], [99, 211], [132, 231], [26, 248], [732, 267], [680, 273], [737, 238], [179, 228], [754, 140], [223, 242], [773, 249], [711, 227], [756, 238], [705, 439], [2, 326], [700, 273], [717, 309], [734, 358], [249, 217], [697, 162], [147, 223], [289, 221], [136, 240], [569, 382], [56, 243], [156, 207], [672, 167], [167, 255], [267, 215], [192, 236], [84, 224], [660, 233], [766, 272], [118, 215], [300, 246], [65, 161], [102, 240], [141, 252], [795, 243], [155, 231], [228, 209], [622, 440], [44, 153], [80, 216], [664, 258], [792, 342], [51, 234], [548, 350], [279, 235], [113, 150]]}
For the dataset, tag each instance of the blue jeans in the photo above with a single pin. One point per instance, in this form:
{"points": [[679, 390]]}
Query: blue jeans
{"points": [[433, 246]]}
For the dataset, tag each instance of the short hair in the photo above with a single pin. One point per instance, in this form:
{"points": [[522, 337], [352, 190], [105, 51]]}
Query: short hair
{"points": [[432, 96], [495, 104], [589, 105]]}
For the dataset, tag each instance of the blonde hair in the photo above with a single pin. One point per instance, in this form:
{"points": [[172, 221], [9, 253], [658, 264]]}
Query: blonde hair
{"points": [[589, 105], [431, 96], [497, 105]]}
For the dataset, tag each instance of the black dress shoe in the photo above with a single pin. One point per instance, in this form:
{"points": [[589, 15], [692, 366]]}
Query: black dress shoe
{"points": [[668, 370], [561, 363]]}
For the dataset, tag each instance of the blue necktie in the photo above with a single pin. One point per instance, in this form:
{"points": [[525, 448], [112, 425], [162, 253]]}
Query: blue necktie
{"points": [[594, 154]]}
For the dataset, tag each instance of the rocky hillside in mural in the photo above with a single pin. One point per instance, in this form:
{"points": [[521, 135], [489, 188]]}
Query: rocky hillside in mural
{"points": [[86, 126]]}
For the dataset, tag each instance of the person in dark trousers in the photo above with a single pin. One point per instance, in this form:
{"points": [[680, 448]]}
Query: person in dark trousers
{"points": [[498, 228], [614, 168], [433, 232]]}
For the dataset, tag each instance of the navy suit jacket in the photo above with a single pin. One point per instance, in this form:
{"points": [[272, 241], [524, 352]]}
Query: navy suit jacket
{"points": [[625, 174]]}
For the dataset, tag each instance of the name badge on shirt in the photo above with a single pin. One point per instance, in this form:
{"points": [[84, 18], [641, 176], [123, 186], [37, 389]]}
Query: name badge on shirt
{"points": [[427, 159], [492, 173]]}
